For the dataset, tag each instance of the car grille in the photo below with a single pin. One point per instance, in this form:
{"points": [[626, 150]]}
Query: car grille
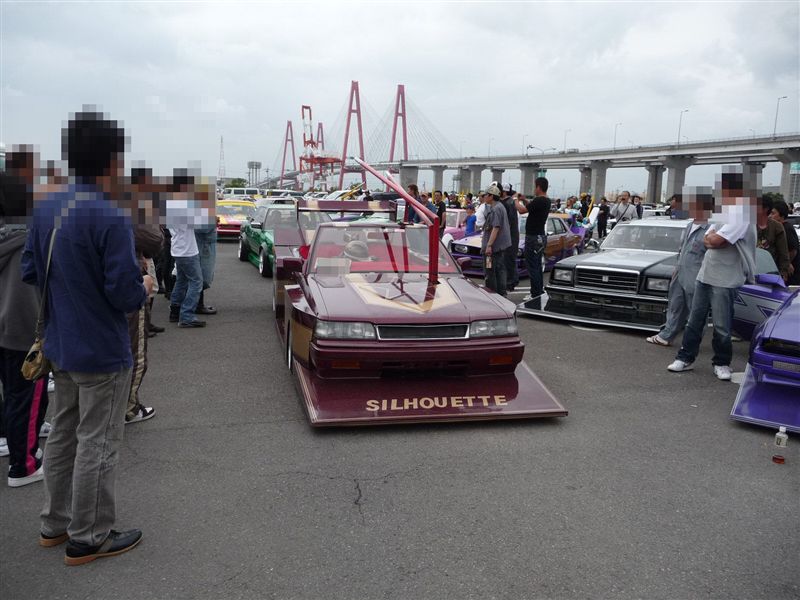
{"points": [[421, 332], [607, 280], [781, 347]]}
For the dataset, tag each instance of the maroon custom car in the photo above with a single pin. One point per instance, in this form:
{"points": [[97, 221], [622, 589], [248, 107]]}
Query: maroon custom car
{"points": [[380, 325]]}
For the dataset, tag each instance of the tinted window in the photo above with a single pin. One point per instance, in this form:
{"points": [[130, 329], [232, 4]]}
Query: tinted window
{"points": [[764, 262], [259, 216], [644, 237]]}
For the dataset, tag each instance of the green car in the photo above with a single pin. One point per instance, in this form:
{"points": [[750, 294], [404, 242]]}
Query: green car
{"points": [[276, 228]]}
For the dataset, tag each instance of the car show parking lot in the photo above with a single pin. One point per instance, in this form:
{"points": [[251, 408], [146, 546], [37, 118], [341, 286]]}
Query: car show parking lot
{"points": [[646, 489]]}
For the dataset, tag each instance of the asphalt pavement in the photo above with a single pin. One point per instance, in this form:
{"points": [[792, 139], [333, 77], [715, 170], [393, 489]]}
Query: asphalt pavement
{"points": [[646, 490]]}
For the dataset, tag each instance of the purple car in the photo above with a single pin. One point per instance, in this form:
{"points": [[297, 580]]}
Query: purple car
{"points": [[770, 392]]}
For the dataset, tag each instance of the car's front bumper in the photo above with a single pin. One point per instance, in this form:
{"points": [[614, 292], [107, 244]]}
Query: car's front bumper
{"points": [[645, 313], [480, 356]]}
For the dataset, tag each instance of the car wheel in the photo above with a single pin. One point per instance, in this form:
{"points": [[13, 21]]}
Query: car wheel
{"points": [[264, 266], [243, 252], [289, 347]]}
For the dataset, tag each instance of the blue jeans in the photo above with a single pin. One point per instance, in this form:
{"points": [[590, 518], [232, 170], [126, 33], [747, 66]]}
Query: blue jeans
{"points": [[679, 302], [207, 244], [188, 286], [720, 300], [534, 253]]}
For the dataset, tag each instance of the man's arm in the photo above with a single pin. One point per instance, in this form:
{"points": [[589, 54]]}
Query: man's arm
{"points": [[782, 252], [492, 238], [521, 208], [28, 263], [123, 282], [714, 241]]}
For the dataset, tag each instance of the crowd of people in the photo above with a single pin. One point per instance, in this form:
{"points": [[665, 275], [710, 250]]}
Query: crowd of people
{"points": [[81, 261]]}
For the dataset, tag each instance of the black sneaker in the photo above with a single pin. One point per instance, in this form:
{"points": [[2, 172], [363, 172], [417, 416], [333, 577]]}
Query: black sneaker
{"points": [[174, 313], [116, 543], [48, 541], [142, 414], [205, 310], [195, 323], [156, 329]]}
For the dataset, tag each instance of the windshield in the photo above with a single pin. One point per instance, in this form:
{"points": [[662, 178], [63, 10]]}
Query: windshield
{"points": [[451, 218], [342, 250], [283, 220], [644, 237], [235, 210]]}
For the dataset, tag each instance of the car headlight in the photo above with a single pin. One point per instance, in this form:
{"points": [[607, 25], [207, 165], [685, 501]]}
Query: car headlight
{"points": [[460, 248], [657, 284], [345, 330], [563, 275], [495, 327]]}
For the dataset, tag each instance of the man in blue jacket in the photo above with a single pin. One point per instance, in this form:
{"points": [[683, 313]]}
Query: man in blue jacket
{"points": [[94, 281]]}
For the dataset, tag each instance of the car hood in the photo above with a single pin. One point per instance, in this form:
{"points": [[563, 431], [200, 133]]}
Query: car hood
{"points": [[638, 260], [785, 323], [407, 298]]}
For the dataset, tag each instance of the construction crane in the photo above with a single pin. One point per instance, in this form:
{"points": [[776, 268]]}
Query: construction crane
{"points": [[314, 161]]}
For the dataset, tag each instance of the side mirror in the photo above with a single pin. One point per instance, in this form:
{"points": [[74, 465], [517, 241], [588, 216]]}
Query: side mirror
{"points": [[464, 262], [255, 225], [770, 279]]}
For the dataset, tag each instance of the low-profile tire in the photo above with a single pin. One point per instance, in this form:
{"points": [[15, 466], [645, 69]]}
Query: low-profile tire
{"points": [[289, 347], [243, 251], [264, 266]]}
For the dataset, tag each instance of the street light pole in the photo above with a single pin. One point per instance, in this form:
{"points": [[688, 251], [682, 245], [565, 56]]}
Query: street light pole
{"points": [[777, 106], [523, 143], [566, 131], [680, 122], [615, 135]]}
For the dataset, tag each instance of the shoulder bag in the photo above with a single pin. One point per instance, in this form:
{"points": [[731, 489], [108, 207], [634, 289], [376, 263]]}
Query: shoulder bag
{"points": [[35, 366]]}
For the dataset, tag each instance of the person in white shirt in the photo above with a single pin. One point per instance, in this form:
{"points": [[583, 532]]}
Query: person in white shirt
{"points": [[189, 281], [729, 263]]}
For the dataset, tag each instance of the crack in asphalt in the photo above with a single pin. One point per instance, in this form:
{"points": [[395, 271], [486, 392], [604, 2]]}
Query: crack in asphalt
{"points": [[357, 481]]}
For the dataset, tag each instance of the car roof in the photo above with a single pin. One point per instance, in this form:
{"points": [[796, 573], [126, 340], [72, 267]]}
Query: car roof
{"points": [[656, 222]]}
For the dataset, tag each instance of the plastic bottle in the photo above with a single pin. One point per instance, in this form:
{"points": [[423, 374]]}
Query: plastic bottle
{"points": [[781, 446]]}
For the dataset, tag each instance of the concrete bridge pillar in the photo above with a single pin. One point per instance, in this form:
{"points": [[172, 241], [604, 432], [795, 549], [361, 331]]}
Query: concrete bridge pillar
{"points": [[408, 175], [528, 173], [438, 178], [676, 172], [787, 157], [465, 183], [475, 178], [752, 172], [497, 175], [586, 180], [655, 176], [597, 185]]}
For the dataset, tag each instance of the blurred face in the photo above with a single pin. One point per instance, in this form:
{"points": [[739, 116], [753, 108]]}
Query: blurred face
{"points": [[625, 197], [437, 197]]}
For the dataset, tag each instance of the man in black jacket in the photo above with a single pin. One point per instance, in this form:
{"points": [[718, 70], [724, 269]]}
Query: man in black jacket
{"points": [[507, 200]]}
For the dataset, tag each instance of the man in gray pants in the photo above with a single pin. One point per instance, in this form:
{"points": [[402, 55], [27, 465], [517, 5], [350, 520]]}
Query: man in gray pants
{"points": [[94, 280], [698, 204]]}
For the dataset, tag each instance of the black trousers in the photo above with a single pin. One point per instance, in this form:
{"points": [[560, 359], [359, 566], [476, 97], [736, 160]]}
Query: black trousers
{"points": [[496, 274], [25, 404], [601, 228]]}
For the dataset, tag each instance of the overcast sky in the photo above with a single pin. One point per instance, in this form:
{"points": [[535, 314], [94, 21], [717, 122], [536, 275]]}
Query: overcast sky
{"points": [[180, 75]]}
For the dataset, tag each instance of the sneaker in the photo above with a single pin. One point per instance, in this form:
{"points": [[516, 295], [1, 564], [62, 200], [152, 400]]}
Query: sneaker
{"points": [[156, 329], [723, 372], [657, 340], [45, 429], [3, 446], [678, 365], [142, 414], [190, 324], [37, 475], [117, 542]]}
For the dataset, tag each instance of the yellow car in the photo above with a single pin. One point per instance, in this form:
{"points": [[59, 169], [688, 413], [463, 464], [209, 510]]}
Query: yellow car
{"points": [[230, 216]]}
